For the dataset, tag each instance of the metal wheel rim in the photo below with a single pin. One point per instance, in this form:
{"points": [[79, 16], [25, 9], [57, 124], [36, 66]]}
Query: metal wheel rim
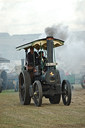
{"points": [[65, 95], [37, 93], [22, 87]]}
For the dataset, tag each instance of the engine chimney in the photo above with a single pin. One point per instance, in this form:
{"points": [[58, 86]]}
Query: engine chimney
{"points": [[50, 49]]}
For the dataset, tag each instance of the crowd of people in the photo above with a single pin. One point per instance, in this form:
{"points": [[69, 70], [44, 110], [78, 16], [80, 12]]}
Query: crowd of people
{"points": [[33, 58]]}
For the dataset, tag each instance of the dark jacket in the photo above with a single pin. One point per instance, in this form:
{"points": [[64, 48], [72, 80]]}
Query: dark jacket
{"points": [[32, 58]]}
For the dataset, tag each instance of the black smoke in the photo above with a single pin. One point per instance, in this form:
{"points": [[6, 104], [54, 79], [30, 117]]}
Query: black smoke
{"points": [[59, 31]]}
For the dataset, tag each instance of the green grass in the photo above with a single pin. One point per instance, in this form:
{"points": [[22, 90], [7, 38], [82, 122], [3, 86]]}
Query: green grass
{"points": [[8, 91], [15, 115]]}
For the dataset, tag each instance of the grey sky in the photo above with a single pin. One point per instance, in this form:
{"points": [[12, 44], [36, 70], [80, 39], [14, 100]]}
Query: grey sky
{"points": [[33, 16]]}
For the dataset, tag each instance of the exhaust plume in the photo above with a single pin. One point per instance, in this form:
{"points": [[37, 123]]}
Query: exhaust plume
{"points": [[57, 31], [70, 56]]}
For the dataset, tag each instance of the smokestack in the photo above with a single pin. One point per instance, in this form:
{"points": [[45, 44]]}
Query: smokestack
{"points": [[50, 49]]}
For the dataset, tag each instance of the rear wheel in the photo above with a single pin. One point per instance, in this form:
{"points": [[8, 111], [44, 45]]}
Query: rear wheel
{"points": [[55, 99], [24, 83], [66, 92], [37, 93]]}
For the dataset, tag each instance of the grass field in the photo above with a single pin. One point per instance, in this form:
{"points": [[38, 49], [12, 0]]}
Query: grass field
{"points": [[15, 115]]}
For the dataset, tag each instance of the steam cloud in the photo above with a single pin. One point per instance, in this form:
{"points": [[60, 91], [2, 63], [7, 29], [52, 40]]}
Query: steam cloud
{"points": [[70, 56]]}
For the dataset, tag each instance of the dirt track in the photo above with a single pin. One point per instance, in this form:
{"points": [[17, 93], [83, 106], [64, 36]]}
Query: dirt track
{"points": [[15, 115]]}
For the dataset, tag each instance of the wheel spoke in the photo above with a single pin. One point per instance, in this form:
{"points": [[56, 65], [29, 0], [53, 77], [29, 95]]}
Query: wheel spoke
{"points": [[22, 87]]}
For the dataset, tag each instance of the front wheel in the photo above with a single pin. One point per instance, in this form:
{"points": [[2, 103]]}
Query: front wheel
{"points": [[37, 93], [66, 92]]}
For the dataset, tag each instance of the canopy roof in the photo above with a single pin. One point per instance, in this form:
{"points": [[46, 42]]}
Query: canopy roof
{"points": [[41, 43]]}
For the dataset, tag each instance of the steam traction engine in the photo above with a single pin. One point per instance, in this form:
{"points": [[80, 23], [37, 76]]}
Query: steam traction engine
{"points": [[46, 81]]}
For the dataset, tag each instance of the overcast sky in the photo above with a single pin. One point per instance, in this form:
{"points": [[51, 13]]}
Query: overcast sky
{"points": [[33, 16]]}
